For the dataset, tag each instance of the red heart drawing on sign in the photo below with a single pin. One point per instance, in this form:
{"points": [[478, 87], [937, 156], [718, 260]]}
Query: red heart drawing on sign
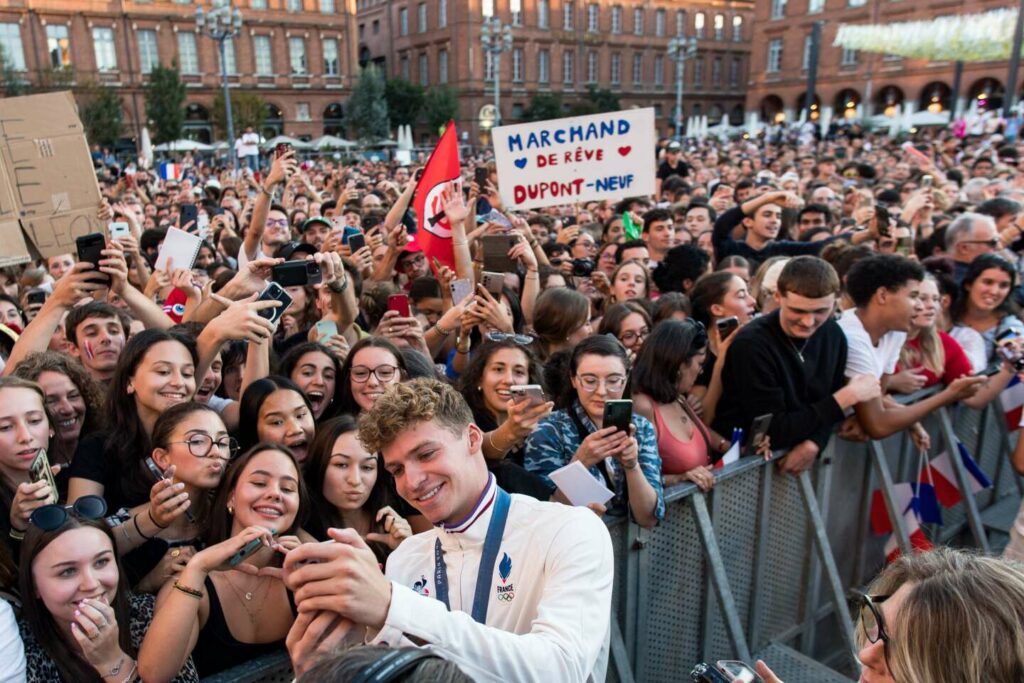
{"points": [[623, 151]]}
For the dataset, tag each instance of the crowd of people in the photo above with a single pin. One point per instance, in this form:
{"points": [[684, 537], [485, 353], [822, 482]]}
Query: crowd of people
{"points": [[194, 475]]}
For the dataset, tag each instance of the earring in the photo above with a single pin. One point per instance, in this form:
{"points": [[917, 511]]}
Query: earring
{"points": [[231, 509]]}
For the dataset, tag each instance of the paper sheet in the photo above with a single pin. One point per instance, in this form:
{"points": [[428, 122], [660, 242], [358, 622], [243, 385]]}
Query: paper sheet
{"points": [[579, 485], [180, 247]]}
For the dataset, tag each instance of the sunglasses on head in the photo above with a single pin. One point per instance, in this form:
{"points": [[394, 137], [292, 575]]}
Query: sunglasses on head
{"points": [[53, 517], [521, 339]]}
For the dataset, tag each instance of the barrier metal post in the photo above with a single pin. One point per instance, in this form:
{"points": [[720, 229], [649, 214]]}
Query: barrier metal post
{"points": [[1004, 437], [760, 551], [881, 467], [973, 516], [823, 489], [713, 556]]}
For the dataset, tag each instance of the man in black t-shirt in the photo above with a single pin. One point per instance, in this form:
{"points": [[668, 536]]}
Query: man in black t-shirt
{"points": [[672, 165]]}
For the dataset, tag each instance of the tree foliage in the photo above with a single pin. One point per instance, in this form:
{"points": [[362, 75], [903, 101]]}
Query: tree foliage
{"points": [[596, 102], [405, 101], [165, 103], [367, 111], [11, 84], [247, 109], [544, 106], [101, 113], [440, 106]]}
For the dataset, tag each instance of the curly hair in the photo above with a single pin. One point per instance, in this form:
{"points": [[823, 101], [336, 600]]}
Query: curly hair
{"points": [[92, 393], [405, 405]]}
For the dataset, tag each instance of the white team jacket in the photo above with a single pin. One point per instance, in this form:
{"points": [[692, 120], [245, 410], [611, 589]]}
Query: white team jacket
{"points": [[549, 611]]}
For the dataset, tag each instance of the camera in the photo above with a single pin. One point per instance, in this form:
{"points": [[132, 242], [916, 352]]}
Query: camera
{"points": [[297, 273], [583, 267]]}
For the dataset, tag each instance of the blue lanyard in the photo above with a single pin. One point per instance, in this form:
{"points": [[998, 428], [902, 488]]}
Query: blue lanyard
{"points": [[492, 543]]}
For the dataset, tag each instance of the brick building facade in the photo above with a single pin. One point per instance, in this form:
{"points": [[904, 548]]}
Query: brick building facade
{"points": [[298, 55], [853, 83], [563, 46]]}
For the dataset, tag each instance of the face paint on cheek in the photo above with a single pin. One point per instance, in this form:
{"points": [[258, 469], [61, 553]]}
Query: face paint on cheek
{"points": [[88, 350]]}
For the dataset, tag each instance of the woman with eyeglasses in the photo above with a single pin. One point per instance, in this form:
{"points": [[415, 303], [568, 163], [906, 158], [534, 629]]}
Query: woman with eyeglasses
{"points": [[79, 621], [274, 410], [506, 420], [984, 304], [663, 373], [917, 613], [348, 489], [372, 365], [627, 463], [227, 612], [628, 322]]}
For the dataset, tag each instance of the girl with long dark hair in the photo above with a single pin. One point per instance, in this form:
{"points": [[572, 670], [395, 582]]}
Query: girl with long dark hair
{"points": [[275, 410]]}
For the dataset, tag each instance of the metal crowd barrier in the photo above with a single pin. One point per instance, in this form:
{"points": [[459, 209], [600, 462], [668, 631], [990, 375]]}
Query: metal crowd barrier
{"points": [[760, 567]]}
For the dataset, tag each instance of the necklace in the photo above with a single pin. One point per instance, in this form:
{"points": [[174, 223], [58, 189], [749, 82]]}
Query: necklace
{"points": [[798, 351], [248, 595]]}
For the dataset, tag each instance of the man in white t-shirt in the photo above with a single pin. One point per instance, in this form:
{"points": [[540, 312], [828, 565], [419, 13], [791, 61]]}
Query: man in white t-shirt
{"points": [[885, 293], [248, 149], [507, 587]]}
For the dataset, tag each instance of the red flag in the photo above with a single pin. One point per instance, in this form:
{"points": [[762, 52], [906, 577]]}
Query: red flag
{"points": [[919, 543], [433, 234]]}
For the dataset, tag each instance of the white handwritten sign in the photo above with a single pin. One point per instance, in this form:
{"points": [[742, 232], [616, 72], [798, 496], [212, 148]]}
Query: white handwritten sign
{"points": [[576, 159]]}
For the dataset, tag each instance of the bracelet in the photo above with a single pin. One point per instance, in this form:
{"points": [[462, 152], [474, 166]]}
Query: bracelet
{"points": [[265, 191], [117, 669], [131, 674], [460, 244], [197, 594], [490, 440], [460, 350], [149, 512], [441, 331], [135, 521], [337, 287]]}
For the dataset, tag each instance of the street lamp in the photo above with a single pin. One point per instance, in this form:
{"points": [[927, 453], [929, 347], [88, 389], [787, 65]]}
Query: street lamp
{"points": [[222, 23], [496, 38], [680, 49]]}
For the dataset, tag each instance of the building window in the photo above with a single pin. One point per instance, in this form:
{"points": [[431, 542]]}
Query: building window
{"points": [[424, 66], [857, 3], [362, 31], [188, 58], [567, 12], [698, 71], [815, 6], [849, 57], [421, 17], [517, 17], [616, 68], [592, 18], [716, 72], [442, 66], [294, 5], [806, 61], [259, 4], [229, 57], [59, 46], [376, 26], [543, 66], [261, 47], [778, 9], [297, 55], [616, 20], [734, 73], [659, 23], [638, 21], [698, 24], [406, 67], [302, 111], [568, 66], [638, 68], [148, 55], [403, 21], [517, 65], [330, 56], [14, 51], [543, 13], [681, 22], [774, 55], [591, 67], [442, 13], [517, 110], [719, 27], [888, 57], [737, 28], [326, 7], [659, 70], [103, 44]]}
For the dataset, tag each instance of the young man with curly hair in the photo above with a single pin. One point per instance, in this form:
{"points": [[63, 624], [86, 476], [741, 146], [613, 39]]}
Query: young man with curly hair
{"points": [[506, 586]]}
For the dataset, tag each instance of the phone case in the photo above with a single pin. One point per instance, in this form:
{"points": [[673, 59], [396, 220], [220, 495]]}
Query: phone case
{"points": [[276, 292], [496, 248], [400, 303], [39, 470]]}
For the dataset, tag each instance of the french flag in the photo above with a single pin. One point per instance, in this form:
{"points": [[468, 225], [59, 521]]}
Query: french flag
{"points": [[1012, 398], [940, 473], [918, 541], [733, 454], [171, 171], [918, 498]]}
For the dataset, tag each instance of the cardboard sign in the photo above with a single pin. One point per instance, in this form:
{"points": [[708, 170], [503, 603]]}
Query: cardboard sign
{"points": [[576, 159], [48, 191]]}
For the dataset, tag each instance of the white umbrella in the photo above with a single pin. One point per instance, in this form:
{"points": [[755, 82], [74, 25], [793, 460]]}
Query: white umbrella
{"points": [[894, 128], [703, 126], [383, 143], [331, 142], [287, 140], [145, 149], [826, 120], [183, 146], [927, 118]]}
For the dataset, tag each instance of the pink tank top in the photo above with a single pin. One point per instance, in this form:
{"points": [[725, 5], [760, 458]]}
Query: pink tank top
{"points": [[678, 456]]}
